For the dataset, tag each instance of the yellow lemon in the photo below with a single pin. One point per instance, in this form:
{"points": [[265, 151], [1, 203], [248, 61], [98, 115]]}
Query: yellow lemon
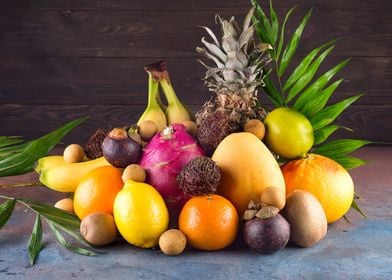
{"points": [[140, 214], [288, 133]]}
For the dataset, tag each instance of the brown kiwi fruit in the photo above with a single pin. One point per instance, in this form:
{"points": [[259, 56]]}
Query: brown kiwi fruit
{"points": [[98, 228], [306, 217]]}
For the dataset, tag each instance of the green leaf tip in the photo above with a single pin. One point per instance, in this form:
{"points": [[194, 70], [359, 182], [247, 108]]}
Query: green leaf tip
{"points": [[35, 243], [6, 210], [20, 158]]}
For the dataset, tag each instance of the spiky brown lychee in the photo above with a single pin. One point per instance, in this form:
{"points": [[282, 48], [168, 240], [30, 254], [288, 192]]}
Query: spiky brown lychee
{"points": [[199, 176], [93, 147], [212, 130]]}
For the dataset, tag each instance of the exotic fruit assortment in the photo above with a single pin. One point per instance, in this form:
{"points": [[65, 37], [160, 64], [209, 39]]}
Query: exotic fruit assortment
{"points": [[236, 170]]}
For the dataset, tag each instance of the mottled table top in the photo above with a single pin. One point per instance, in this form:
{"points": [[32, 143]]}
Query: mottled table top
{"points": [[361, 249]]}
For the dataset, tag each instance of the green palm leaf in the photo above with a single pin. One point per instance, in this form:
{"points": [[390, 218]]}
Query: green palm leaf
{"points": [[292, 45], [330, 113], [281, 39], [304, 64], [340, 147], [308, 75], [317, 103], [312, 91], [274, 24], [35, 244], [273, 92], [322, 134], [263, 26], [20, 158]]}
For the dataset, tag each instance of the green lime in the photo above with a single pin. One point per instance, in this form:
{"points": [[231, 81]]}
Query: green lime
{"points": [[288, 133]]}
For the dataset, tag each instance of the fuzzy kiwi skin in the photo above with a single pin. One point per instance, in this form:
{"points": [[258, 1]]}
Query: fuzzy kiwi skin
{"points": [[306, 217], [98, 229]]}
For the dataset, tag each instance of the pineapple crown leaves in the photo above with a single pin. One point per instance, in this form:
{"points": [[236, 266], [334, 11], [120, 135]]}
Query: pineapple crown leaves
{"points": [[239, 61]]}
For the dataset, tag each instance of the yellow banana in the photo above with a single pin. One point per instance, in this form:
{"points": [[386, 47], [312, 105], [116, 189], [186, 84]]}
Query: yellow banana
{"points": [[153, 111], [176, 112], [49, 161], [65, 177]]}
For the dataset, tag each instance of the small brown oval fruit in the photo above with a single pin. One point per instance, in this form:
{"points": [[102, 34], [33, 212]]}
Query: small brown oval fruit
{"points": [[191, 127], [135, 173], [274, 197], [306, 217], [172, 242], [255, 127], [147, 130], [73, 153], [65, 204], [98, 228]]}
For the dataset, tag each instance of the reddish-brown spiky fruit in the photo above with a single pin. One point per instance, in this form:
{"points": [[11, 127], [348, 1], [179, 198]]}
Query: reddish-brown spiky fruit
{"points": [[200, 176], [93, 147]]}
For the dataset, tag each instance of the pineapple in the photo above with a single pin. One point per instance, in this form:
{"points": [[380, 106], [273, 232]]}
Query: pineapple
{"points": [[238, 72]]}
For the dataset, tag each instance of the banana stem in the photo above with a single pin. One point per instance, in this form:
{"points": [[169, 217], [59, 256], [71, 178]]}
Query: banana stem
{"points": [[170, 94], [159, 73], [152, 92]]}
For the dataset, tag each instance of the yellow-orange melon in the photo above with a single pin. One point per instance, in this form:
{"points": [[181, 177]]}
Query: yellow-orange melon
{"points": [[248, 167]]}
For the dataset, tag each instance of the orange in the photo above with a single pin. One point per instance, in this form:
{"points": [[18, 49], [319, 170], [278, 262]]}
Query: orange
{"points": [[209, 222], [97, 190], [327, 180]]}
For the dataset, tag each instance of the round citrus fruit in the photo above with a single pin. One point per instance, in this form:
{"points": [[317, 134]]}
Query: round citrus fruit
{"points": [[209, 222], [96, 191], [288, 133], [327, 180], [140, 214]]}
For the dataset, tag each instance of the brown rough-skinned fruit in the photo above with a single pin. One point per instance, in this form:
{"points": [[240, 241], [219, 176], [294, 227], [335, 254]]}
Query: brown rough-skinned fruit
{"points": [[306, 217], [98, 228]]}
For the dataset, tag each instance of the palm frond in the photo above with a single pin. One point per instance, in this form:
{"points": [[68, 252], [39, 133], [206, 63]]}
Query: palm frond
{"points": [[19, 157]]}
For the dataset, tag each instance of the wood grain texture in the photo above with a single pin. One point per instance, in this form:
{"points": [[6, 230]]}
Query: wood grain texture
{"points": [[67, 58], [75, 33], [123, 80]]}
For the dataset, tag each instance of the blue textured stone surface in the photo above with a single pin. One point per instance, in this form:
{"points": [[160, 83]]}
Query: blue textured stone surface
{"points": [[361, 249]]}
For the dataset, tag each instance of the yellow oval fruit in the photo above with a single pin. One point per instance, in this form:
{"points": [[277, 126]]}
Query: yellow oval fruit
{"points": [[248, 168], [288, 133], [140, 214], [65, 177]]}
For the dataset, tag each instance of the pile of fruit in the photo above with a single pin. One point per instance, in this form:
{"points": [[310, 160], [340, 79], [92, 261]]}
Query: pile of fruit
{"points": [[232, 171]]}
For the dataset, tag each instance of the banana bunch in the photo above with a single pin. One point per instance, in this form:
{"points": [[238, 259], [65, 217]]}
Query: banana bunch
{"points": [[156, 111], [62, 176]]}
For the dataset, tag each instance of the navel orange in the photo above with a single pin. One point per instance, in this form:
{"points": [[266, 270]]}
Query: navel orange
{"points": [[96, 191], [209, 222]]}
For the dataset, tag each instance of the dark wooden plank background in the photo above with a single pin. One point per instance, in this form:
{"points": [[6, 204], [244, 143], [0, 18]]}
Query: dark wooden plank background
{"points": [[63, 59]]}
